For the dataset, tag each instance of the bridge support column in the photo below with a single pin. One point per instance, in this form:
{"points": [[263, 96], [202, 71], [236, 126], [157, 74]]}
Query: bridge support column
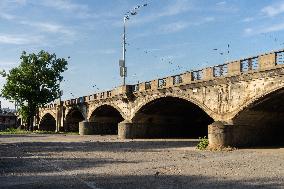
{"points": [[126, 130], [86, 128], [220, 134]]}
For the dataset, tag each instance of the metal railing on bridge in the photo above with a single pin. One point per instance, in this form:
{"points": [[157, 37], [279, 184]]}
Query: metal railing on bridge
{"points": [[249, 64], [220, 70]]}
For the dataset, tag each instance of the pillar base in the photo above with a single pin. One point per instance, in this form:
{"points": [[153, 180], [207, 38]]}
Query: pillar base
{"points": [[85, 128], [125, 130], [220, 135]]}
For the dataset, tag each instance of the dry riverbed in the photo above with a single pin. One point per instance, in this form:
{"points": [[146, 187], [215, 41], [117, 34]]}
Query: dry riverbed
{"points": [[72, 161]]}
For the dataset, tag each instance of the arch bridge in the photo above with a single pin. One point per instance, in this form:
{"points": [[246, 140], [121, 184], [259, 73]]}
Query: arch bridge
{"points": [[237, 103]]}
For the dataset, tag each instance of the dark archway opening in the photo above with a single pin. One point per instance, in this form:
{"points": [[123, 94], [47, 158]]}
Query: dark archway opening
{"points": [[105, 120], [262, 123], [47, 123], [171, 117], [72, 120]]}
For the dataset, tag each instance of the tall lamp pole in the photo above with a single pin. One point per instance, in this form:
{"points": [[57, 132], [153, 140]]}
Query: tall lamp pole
{"points": [[123, 68]]}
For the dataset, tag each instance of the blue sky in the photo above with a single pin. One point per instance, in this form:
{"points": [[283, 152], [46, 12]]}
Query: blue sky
{"points": [[165, 38]]}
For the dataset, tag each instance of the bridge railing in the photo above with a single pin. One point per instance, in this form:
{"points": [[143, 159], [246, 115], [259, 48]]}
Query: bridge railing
{"points": [[279, 57], [249, 64], [197, 75], [242, 66], [220, 70], [177, 79], [261, 62], [162, 83]]}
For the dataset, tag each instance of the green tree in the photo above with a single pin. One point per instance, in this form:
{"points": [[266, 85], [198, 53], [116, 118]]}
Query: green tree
{"points": [[34, 83]]}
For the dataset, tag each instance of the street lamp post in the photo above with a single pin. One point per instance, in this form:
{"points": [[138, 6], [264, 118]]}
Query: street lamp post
{"points": [[123, 68], [122, 65]]}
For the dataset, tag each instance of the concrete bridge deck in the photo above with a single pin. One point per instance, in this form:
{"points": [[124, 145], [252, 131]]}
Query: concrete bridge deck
{"points": [[241, 101]]}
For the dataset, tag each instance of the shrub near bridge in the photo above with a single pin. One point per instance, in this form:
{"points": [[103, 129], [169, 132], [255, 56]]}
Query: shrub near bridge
{"points": [[203, 143]]}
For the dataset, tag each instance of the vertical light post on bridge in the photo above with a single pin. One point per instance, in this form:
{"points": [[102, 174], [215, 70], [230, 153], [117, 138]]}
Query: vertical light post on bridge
{"points": [[122, 65]]}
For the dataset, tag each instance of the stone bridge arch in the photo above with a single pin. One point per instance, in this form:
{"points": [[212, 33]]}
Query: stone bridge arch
{"points": [[260, 121], [170, 116], [52, 112], [105, 118], [73, 116], [142, 101], [93, 108], [47, 122], [255, 99]]}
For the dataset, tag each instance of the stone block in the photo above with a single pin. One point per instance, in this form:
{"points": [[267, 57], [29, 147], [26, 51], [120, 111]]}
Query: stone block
{"points": [[207, 73], [267, 61], [186, 78], [234, 68]]}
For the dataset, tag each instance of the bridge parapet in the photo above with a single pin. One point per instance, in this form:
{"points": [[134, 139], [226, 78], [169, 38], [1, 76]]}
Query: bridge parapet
{"points": [[263, 62], [268, 61]]}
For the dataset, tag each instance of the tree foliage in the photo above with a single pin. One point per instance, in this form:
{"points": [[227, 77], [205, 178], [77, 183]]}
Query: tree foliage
{"points": [[35, 82]]}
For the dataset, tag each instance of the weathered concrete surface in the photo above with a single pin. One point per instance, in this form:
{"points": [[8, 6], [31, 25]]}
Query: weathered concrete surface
{"points": [[59, 161]]}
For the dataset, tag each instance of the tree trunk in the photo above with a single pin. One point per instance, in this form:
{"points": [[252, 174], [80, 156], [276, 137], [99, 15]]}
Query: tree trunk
{"points": [[32, 111], [32, 123]]}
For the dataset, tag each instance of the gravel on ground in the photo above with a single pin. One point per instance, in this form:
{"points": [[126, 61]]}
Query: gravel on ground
{"points": [[90, 162]]}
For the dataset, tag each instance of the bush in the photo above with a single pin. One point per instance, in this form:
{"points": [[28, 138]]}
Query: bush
{"points": [[203, 143]]}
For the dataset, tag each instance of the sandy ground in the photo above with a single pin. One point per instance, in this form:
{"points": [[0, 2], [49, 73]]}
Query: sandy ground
{"points": [[60, 161]]}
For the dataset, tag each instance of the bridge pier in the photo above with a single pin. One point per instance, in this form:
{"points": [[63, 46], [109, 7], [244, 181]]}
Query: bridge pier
{"points": [[126, 130], [97, 128], [85, 128], [219, 135], [130, 130], [223, 134]]}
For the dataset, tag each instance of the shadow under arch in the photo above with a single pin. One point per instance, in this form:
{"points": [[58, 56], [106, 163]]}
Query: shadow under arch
{"points": [[72, 119], [178, 96], [261, 122], [105, 119], [47, 123], [171, 117]]}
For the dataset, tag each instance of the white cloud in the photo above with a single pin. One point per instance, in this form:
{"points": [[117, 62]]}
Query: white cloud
{"points": [[19, 39], [6, 16], [173, 27], [267, 29], [65, 5], [178, 7], [248, 19], [107, 51], [248, 30], [79, 10], [6, 65], [208, 19], [49, 27], [223, 6], [221, 3], [273, 10]]}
